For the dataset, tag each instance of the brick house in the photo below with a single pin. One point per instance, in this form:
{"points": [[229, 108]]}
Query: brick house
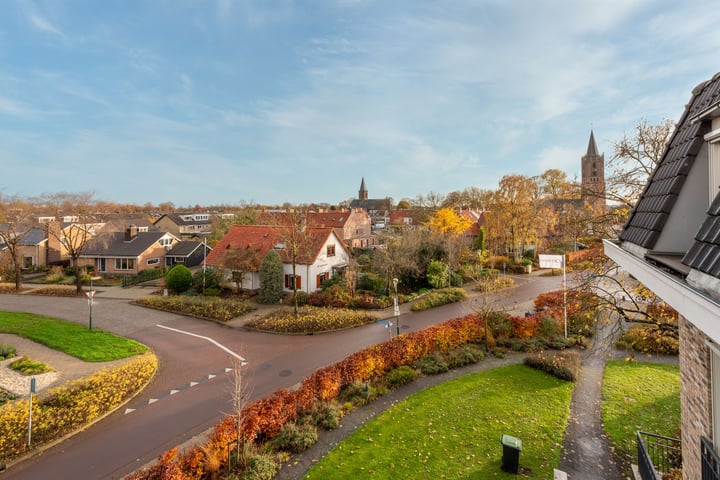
{"points": [[671, 243], [323, 255], [127, 253], [352, 226], [185, 226]]}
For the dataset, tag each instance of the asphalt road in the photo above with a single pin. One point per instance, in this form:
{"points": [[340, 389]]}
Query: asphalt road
{"points": [[191, 391]]}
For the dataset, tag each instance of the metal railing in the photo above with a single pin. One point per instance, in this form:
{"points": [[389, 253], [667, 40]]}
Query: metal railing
{"points": [[657, 455], [710, 460]]}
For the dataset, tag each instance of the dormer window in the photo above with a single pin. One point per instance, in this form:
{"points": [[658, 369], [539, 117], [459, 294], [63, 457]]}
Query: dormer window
{"points": [[713, 139]]}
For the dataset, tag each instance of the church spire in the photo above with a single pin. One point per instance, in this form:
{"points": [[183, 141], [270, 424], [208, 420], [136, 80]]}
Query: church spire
{"points": [[363, 193], [592, 150]]}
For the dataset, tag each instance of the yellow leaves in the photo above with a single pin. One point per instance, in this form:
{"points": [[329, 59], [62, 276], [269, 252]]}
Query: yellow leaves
{"points": [[446, 221]]}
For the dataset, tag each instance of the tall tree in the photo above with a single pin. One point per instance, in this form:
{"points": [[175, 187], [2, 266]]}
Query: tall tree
{"points": [[271, 278], [513, 215], [447, 222], [450, 226], [555, 185]]}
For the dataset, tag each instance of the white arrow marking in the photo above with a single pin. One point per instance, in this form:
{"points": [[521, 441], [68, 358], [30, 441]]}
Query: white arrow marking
{"points": [[129, 410], [173, 392], [211, 376], [192, 384], [228, 370], [204, 338], [152, 400]]}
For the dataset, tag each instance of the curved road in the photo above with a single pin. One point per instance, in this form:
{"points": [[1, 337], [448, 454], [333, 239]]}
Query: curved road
{"points": [[191, 391]]}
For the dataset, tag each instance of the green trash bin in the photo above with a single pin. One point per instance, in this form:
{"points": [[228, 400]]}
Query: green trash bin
{"points": [[511, 453]]}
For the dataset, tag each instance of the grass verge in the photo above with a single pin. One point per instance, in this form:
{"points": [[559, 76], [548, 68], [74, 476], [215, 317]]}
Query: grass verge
{"points": [[453, 430], [74, 339], [639, 396]]}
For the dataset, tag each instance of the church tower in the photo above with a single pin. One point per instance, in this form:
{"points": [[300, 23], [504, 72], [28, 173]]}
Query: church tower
{"points": [[593, 175], [363, 193]]}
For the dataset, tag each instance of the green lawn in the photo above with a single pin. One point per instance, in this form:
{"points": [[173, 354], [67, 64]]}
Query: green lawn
{"points": [[453, 430], [71, 338], [640, 396]]}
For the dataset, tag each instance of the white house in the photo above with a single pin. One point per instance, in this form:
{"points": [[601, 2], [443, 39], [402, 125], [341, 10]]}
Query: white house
{"points": [[321, 255]]}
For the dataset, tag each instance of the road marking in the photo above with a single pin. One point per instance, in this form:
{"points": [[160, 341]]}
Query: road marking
{"points": [[222, 347], [198, 381]]}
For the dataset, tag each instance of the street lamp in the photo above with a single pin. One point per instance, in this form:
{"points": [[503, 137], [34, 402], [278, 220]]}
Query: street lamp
{"points": [[396, 308]]}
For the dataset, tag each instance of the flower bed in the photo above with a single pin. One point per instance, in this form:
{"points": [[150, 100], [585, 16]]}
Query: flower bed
{"points": [[311, 319], [212, 308], [67, 408]]}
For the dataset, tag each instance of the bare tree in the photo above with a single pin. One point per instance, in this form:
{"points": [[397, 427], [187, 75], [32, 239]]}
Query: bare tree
{"points": [[634, 159], [240, 393], [16, 221], [80, 210], [619, 296]]}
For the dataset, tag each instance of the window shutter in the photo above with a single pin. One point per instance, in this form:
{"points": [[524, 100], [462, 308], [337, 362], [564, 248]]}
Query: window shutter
{"points": [[298, 282]]}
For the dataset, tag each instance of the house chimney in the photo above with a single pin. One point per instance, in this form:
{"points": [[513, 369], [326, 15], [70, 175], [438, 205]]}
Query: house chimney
{"points": [[131, 232]]}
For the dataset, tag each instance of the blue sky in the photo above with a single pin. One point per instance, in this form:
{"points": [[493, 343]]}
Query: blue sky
{"points": [[221, 102]]}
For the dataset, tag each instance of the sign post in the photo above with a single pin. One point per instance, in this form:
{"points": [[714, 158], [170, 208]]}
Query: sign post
{"points": [[396, 307], [33, 387], [557, 261], [90, 296]]}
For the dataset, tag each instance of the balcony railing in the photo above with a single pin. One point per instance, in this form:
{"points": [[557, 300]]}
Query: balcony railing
{"points": [[657, 455], [710, 460]]}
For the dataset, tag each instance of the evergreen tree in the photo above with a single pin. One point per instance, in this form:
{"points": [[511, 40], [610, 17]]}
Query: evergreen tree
{"points": [[179, 278], [271, 278]]}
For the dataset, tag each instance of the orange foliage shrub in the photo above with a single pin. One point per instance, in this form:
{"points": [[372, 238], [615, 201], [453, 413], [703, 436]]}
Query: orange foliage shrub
{"points": [[526, 327]]}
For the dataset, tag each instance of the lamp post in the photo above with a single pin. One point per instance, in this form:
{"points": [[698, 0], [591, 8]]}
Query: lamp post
{"points": [[396, 308]]}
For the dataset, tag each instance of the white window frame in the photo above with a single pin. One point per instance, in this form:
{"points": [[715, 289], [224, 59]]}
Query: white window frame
{"points": [[153, 261], [715, 392], [124, 264], [713, 139]]}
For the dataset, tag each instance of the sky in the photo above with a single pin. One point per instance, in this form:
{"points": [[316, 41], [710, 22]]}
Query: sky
{"points": [[222, 102]]}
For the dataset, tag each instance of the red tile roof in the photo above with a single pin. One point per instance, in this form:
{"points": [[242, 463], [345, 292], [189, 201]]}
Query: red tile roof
{"points": [[262, 239]]}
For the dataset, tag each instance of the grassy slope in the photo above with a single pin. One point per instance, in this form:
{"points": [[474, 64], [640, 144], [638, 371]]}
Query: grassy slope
{"points": [[71, 338], [453, 430], [640, 396]]}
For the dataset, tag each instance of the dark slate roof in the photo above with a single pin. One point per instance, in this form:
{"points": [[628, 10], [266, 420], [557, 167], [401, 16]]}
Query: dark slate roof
{"points": [[704, 255], [34, 236], [649, 215], [185, 248], [370, 203], [114, 245]]}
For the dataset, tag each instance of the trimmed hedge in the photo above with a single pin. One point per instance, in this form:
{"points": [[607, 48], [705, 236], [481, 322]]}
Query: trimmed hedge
{"points": [[438, 298]]}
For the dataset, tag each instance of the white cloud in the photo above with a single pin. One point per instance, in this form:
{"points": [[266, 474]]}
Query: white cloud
{"points": [[43, 25]]}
